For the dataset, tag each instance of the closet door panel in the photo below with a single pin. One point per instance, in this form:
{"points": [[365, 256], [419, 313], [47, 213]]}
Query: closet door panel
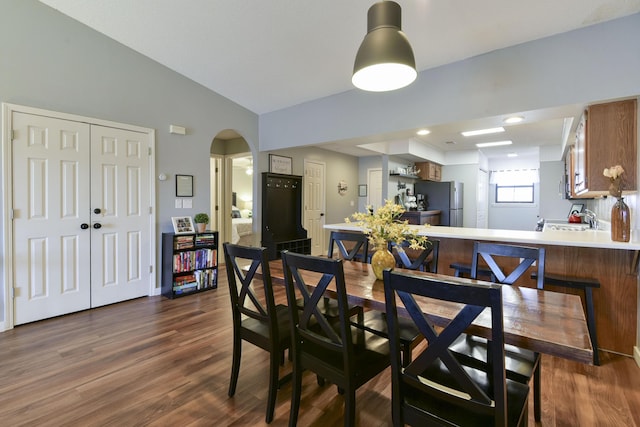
{"points": [[50, 165]]}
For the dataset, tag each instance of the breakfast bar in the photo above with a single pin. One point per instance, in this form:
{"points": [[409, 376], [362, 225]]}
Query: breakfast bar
{"points": [[589, 253]]}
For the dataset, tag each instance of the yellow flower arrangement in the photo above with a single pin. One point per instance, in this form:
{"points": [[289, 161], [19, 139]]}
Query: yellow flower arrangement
{"points": [[383, 226], [614, 173]]}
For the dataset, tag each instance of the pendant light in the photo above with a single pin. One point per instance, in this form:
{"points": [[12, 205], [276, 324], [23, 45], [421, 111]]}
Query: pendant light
{"points": [[385, 59]]}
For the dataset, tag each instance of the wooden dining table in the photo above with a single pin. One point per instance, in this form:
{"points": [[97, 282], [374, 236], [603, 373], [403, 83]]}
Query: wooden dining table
{"points": [[544, 321]]}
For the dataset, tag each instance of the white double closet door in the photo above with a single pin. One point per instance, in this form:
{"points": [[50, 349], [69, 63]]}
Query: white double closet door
{"points": [[81, 215]]}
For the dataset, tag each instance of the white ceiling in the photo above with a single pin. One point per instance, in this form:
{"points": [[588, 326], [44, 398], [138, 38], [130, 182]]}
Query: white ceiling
{"points": [[261, 54]]}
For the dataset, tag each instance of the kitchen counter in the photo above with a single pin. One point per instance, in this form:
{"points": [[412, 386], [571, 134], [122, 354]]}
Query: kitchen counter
{"points": [[585, 239], [589, 253]]}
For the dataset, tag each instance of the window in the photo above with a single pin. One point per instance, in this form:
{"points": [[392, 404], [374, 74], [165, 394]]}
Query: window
{"points": [[514, 193], [514, 186]]}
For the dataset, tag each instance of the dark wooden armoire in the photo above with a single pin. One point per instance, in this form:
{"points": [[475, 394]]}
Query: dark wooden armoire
{"points": [[282, 215]]}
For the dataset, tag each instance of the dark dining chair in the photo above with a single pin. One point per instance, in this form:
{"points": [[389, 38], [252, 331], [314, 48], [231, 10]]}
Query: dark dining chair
{"points": [[351, 246], [522, 365], [335, 351], [437, 388], [256, 317], [417, 259], [376, 321]]}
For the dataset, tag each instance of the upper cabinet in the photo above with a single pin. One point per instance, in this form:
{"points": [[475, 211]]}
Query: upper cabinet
{"points": [[578, 160], [429, 171], [606, 136]]}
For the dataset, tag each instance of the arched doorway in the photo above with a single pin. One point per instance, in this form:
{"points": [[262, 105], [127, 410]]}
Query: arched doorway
{"points": [[232, 188]]}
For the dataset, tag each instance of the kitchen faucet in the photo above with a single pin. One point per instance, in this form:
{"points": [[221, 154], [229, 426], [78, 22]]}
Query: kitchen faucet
{"points": [[591, 217]]}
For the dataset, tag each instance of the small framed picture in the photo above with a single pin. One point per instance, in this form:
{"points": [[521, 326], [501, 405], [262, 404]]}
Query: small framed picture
{"points": [[362, 190], [576, 208], [184, 185], [280, 164], [182, 224]]}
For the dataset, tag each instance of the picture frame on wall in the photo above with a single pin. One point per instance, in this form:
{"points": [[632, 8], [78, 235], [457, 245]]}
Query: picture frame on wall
{"points": [[362, 190], [184, 185], [280, 164], [182, 225], [576, 208]]}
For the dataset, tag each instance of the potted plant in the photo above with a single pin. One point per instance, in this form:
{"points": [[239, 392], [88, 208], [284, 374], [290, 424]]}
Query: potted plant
{"points": [[201, 219]]}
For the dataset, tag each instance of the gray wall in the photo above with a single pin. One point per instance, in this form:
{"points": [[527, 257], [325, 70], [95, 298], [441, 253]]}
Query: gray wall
{"points": [[595, 63], [339, 167], [468, 176], [364, 164], [52, 62], [552, 203], [516, 216]]}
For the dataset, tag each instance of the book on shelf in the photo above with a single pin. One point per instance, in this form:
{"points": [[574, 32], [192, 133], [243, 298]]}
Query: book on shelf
{"points": [[194, 260], [185, 288], [185, 283], [183, 242], [205, 278], [205, 239]]}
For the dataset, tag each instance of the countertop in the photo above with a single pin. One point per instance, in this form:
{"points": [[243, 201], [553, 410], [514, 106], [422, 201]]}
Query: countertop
{"points": [[586, 239]]}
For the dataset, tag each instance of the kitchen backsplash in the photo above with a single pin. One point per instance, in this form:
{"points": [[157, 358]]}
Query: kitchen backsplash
{"points": [[602, 208]]}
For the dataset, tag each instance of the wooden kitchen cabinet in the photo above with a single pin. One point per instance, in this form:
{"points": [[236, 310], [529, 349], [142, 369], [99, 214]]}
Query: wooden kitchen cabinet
{"points": [[435, 172], [429, 171], [578, 161], [422, 217], [605, 137], [569, 183]]}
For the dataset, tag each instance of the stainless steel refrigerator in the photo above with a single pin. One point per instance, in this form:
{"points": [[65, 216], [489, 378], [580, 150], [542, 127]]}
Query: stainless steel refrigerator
{"points": [[445, 196]]}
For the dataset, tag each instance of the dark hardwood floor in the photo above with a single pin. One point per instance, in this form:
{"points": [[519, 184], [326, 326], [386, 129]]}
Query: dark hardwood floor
{"points": [[159, 362]]}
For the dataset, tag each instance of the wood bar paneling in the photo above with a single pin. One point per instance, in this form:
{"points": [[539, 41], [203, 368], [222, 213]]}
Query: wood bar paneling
{"points": [[615, 302]]}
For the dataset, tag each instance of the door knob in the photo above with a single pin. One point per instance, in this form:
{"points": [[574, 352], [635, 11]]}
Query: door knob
{"points": [[84, 226], [97, 225], [322, 214], [97, 210]]}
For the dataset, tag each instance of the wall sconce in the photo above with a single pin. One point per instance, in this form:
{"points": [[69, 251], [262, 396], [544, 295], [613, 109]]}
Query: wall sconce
{"points": [[342, 188]]}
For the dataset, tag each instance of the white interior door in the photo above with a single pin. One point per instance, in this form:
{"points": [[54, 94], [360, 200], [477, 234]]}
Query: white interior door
{"points": [[374, 182], [119, 215], [82, 215], [227, 173], [216, 222], [314, 205], [50, 204]]}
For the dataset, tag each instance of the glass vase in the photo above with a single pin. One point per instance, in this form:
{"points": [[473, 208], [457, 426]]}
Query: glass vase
{"points": [[620, 221], [381, 260]]}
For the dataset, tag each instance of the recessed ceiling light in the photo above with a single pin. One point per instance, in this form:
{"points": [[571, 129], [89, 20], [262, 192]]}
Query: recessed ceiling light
{"points": [[512, 155], [513, 119], [493, 144], [422, 132], [482, 131]]}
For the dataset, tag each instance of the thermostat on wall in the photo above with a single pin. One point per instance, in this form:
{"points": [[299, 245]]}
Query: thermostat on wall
{"points": [[178, 130]]}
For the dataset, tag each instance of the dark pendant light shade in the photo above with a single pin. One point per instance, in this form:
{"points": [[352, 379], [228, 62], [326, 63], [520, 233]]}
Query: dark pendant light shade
{"points": [[385, 59]]}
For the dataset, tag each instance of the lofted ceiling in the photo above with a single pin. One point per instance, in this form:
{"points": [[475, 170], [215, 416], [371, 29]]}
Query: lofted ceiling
{"points": [[260, 54]]}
